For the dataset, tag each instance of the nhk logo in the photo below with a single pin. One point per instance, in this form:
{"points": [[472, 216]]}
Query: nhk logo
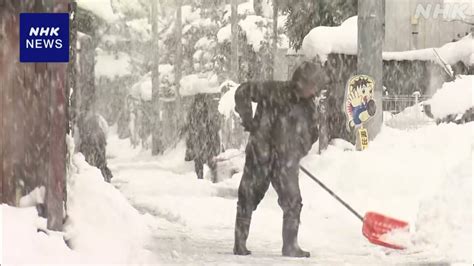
{"points": [[44, 37], [454, 10], [44, 43]]}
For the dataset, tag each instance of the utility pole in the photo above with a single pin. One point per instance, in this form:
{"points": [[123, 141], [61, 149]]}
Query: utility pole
{"points": [[178, 64], [371, 17], [157, 145], [234, 60]]}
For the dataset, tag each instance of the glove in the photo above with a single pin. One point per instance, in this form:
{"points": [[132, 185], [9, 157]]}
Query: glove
{"points": [[371, 108]]}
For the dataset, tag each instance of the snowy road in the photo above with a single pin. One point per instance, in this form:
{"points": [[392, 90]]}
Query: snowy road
{"points": [[192, 220], [197, 225]]}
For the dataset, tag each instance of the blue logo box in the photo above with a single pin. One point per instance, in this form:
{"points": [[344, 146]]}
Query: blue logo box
{"points": [[44, 37]]}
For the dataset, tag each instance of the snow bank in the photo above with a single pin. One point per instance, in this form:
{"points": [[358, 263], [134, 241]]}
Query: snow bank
{"points": [[199, 83], [453, 98], [100, 8], [112, 65], [101, 223], [410, 118], [23, 244], [401, 169], [322, 41], [444, 219]]}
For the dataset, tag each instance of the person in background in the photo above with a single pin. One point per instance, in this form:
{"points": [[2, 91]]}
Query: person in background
{"points": [[93, 142], [202, 138]]}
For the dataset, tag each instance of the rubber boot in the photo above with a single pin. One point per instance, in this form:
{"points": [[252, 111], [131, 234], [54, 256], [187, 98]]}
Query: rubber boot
{"points": [[290, 240], [242, 226]]}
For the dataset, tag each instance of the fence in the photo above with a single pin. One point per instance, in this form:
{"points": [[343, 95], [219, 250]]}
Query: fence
{"points": [[397, 103]]}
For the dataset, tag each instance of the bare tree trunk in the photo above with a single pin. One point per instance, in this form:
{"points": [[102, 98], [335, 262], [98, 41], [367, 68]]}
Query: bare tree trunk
{"points": [[178, 65], [234, 60], [275, 37], [157, 145], [72, 70]]}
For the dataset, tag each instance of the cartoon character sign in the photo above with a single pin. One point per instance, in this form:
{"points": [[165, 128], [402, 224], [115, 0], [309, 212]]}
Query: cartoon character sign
{"points": [[360, 104]]}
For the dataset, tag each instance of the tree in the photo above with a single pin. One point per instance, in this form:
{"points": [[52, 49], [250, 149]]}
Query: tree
{"points": [[157, 146]]}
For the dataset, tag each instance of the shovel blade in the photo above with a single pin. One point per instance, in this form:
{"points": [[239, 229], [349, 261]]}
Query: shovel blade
{"points": [[376, 225]]}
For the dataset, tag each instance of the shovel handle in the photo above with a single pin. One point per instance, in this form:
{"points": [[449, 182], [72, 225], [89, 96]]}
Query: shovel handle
{"points": [[332, 194]]}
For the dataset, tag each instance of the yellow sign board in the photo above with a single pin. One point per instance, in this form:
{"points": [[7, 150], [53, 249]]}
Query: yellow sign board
{"points": [[364, 138]]}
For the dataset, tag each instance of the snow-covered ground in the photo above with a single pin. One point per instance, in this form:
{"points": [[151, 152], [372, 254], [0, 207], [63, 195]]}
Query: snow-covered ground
{"points": [[422, 176], [156, 211]]}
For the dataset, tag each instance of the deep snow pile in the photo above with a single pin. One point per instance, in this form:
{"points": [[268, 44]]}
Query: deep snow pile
{"points": [[421, 175], [101, 223], [23, 244], [410, 117], [453, 98]]}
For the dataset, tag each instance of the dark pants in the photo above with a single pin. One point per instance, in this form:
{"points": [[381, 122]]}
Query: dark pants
{"points": [[264, 165], [199, 168]]}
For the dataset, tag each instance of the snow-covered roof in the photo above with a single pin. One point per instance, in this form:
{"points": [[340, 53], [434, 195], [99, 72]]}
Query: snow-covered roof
{"points": [[111, 65], [100, 8], [199, 83], [452, 52], [453, 98], [322, 41]]}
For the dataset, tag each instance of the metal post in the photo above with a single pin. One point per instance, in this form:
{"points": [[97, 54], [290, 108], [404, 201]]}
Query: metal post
{"points": [[371, 17]]}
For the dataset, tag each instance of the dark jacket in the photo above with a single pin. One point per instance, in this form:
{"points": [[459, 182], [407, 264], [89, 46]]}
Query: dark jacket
{"points": [[284, 122], [203, 125]]}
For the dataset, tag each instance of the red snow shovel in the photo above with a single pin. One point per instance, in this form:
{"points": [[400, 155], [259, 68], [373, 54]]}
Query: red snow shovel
{"points": [[374, 225]]}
